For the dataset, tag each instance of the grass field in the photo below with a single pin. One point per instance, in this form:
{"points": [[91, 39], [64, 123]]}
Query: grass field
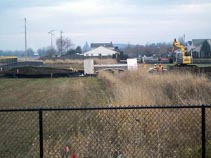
{"points": [[19, 131], [105, 133], [16, 93]]}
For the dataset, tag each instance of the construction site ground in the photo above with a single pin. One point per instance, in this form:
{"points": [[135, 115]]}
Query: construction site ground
{"points": [[40, 72]]}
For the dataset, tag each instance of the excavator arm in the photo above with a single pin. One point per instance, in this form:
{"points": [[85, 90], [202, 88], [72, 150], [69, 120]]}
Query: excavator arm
{"points": [[178, 45]]}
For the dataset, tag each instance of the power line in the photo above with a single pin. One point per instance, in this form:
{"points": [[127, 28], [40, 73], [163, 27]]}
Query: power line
{"points": [[25, 41], [51, 33], [61, 42]]}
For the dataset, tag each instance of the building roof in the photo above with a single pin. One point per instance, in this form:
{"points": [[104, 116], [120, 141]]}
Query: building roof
{"points": [[103, 51], [198, 42], [209, 41], [95, 45]]}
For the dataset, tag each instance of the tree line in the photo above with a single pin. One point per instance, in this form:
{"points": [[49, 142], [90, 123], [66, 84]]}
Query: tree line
{"points": [[64, 45], [153, 49]]}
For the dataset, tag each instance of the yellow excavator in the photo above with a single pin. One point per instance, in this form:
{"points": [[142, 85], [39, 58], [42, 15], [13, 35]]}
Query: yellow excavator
{"points": [[180, 55], [182, 60]]}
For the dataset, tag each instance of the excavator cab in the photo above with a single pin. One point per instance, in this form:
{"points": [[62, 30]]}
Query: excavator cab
{"points": [[187, 53]]}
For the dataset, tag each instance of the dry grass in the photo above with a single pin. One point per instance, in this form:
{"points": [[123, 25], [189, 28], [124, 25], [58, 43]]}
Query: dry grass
{"points": [[70, 61], [140, 88], [105, 61], [64, 61], [142, 133], [51, 92], [157, 127], [19, 131], [75, 64]]}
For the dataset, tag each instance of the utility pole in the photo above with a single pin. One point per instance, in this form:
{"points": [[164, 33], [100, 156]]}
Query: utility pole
{"points": [[51, 33], [68, 44], [25, 41], [61, 42]]}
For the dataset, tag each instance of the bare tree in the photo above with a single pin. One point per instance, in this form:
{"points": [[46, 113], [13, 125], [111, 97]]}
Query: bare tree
{"points": [[60, 43], [50, 52], [64, 44], [68, 44]]}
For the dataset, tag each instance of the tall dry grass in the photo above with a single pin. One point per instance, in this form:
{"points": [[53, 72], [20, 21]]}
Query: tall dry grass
{"points": [[162, 133], [63, 61], [77, 61], [141, 88], [104, 61], [135, 133]]}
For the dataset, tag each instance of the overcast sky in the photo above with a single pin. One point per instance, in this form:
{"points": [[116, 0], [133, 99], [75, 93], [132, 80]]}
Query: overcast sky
{"points": [[119, 21]]}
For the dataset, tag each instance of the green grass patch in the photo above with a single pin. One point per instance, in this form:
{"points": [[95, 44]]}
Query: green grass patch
{"points": [[68, 92]]}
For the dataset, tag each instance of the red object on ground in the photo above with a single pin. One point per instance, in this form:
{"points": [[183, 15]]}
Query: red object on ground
{"points": [[73, 155]]}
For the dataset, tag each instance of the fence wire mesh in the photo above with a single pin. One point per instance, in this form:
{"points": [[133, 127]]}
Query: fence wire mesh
{"points": [[19, 136], [208, 132], [119, 133], [126, 133]]}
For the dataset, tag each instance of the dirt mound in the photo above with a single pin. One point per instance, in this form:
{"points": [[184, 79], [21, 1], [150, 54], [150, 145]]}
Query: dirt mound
{"points": [[40, 72]]}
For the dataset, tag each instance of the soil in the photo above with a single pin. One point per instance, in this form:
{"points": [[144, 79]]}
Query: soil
{"points": [[40, 72]]}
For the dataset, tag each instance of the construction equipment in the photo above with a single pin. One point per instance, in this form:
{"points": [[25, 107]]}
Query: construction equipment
{"points": [[180, 55], [182, 60]]}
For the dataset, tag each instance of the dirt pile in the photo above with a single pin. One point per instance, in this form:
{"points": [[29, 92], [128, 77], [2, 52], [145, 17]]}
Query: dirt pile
{"points": [[40, 72]]}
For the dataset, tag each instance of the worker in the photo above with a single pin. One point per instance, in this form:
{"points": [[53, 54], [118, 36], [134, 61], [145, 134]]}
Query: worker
{"points": [[160, 68], [155, 67], [144, 65]]}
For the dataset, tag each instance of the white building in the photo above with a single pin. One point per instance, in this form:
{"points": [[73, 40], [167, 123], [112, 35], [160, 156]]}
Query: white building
{"points": [[101, 52]]}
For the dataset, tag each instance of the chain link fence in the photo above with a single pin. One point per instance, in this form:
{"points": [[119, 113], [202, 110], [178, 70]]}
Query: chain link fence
{"points": [[19, 135], [113, 132], [208, 132]]}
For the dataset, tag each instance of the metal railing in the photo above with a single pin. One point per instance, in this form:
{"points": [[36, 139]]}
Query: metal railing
{"points": [[107, 132]]}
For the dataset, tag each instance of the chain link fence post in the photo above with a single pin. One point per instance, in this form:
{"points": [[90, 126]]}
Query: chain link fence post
{"points": [[203, 128], [41, 131]]}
